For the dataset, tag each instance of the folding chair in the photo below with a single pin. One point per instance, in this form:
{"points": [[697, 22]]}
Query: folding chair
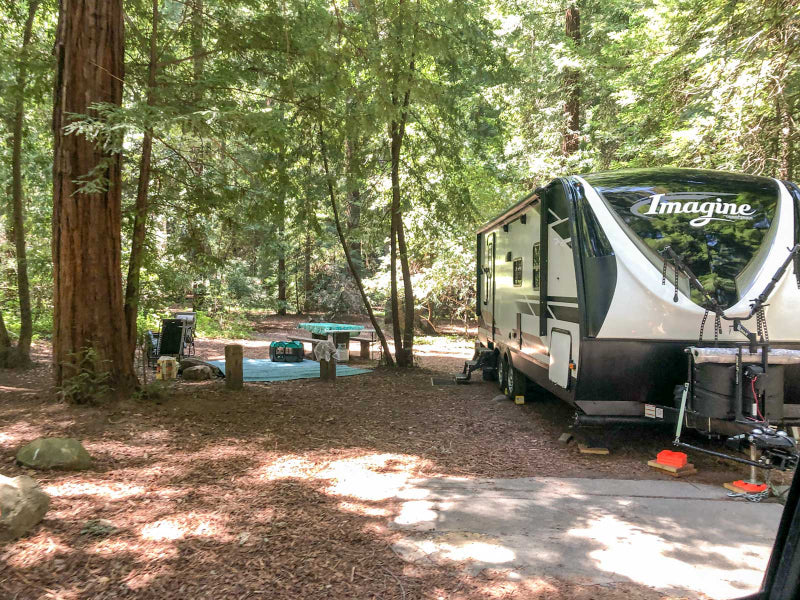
{"points": [[171, 340], [190, 317]]}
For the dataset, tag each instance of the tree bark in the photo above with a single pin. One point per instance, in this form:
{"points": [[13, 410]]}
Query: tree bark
{"points": [[88, 302], [785, 137], [5, 340], [393, 295], [343, 241], [132, 286], [572, 108], [353, 204], [21, 355], [404, 353], [307, 270], [281, 254]]}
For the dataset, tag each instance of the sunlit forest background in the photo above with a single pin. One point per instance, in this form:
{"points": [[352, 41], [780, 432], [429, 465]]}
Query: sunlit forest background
{"points": [[238, 114]]}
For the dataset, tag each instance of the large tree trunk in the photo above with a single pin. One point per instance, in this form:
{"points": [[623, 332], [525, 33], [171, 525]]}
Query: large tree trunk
{"points": [[88, 311], [572, 90], [132, 286], [343, 241], [21, 356], [404, 352], [394, 300]]}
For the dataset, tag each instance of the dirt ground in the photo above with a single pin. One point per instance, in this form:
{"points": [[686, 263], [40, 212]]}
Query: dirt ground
{"points": [[213, 494]]}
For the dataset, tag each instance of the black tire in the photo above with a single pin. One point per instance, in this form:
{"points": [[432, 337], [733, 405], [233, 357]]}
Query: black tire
{"points": [[502, 369], [516, 382]]}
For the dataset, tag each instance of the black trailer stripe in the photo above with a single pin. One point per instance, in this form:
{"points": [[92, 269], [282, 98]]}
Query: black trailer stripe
{"points": [[562, 229], [565, 313], [572, 299]]}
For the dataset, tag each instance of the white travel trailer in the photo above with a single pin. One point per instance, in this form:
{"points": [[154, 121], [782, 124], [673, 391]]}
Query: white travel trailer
{"points": [[595, 287]]}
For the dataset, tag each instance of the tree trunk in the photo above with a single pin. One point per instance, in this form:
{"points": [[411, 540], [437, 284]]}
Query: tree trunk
{"points": [[88, 304], [343, 241], [281, 254], [393, 295], [142, 200], [572, 108], [307, 271], [353, 204], [5, 340], [404, 353], [785, 137], [23, 349]]}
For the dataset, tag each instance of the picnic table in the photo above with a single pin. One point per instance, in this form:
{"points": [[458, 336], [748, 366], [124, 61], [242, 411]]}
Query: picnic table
{"points": [[338, 333]]}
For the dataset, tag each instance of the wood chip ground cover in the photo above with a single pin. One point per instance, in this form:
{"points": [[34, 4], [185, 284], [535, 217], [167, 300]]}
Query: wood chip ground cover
{"points": [[283, 490]]}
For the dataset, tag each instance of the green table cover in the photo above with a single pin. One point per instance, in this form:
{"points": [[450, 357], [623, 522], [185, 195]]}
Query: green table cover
{"points": [[329, 328]]}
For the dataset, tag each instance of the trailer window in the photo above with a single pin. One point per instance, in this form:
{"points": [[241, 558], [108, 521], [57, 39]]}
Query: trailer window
{"points": [[536, 271], [715, 221], [517, 272]]}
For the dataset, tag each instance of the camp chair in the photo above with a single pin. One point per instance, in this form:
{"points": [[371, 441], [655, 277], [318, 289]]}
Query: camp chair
{"points": [[190, 317], [170, 341]]}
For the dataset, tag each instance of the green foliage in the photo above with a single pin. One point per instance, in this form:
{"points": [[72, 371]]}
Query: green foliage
{"points": [[89, 385], [223, 325], [238, 206], [154, 391]]}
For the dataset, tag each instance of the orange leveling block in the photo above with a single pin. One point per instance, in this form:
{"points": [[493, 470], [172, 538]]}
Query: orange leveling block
{"points": [[744, 487], [672, 463]]}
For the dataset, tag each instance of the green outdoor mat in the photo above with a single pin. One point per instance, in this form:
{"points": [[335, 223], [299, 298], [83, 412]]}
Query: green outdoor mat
{"points": [[261, 369]]}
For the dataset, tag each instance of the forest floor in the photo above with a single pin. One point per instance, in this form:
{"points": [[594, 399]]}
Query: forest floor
{"points": [[285, 490]]}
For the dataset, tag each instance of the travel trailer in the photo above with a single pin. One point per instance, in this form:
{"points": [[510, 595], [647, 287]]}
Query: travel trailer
{"points": [[613, 290]]}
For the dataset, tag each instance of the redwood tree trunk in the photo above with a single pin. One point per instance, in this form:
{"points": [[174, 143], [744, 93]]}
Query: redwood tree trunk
{"points": [[21, 356], [88, 304], [572, 108], [132, 286]]}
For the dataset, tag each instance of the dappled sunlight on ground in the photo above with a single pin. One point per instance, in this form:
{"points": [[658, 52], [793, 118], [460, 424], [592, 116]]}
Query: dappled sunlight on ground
{"points": [[645, 554], [291, 490]]}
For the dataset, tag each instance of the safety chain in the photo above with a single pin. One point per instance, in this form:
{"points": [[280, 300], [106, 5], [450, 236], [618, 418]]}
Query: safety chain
{"points": [[675, 297], [664, 277], [755, 497], [703, 325], [717, 327], [761, 325]]}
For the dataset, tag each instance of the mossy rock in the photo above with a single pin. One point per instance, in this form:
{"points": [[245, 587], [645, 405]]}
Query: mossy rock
{"points": [[55, 453]]}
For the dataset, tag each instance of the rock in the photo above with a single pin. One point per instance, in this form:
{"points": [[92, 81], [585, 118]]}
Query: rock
{"points": [[22, 505], [55, 453], [198, 373], [98, 528], [188, 363]]}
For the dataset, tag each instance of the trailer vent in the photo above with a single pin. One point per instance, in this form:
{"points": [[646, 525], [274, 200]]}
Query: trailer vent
{"points": [[523, 219], [508, 257], [505, 227]]}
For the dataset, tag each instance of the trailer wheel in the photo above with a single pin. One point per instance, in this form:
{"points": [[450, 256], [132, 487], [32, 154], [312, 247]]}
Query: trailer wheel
{"points": [[502, 369], [516, 382]]}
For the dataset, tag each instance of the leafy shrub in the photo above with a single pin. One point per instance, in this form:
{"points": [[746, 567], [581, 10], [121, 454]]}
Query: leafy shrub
{"points": [[90, 384], [155, 391]]}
